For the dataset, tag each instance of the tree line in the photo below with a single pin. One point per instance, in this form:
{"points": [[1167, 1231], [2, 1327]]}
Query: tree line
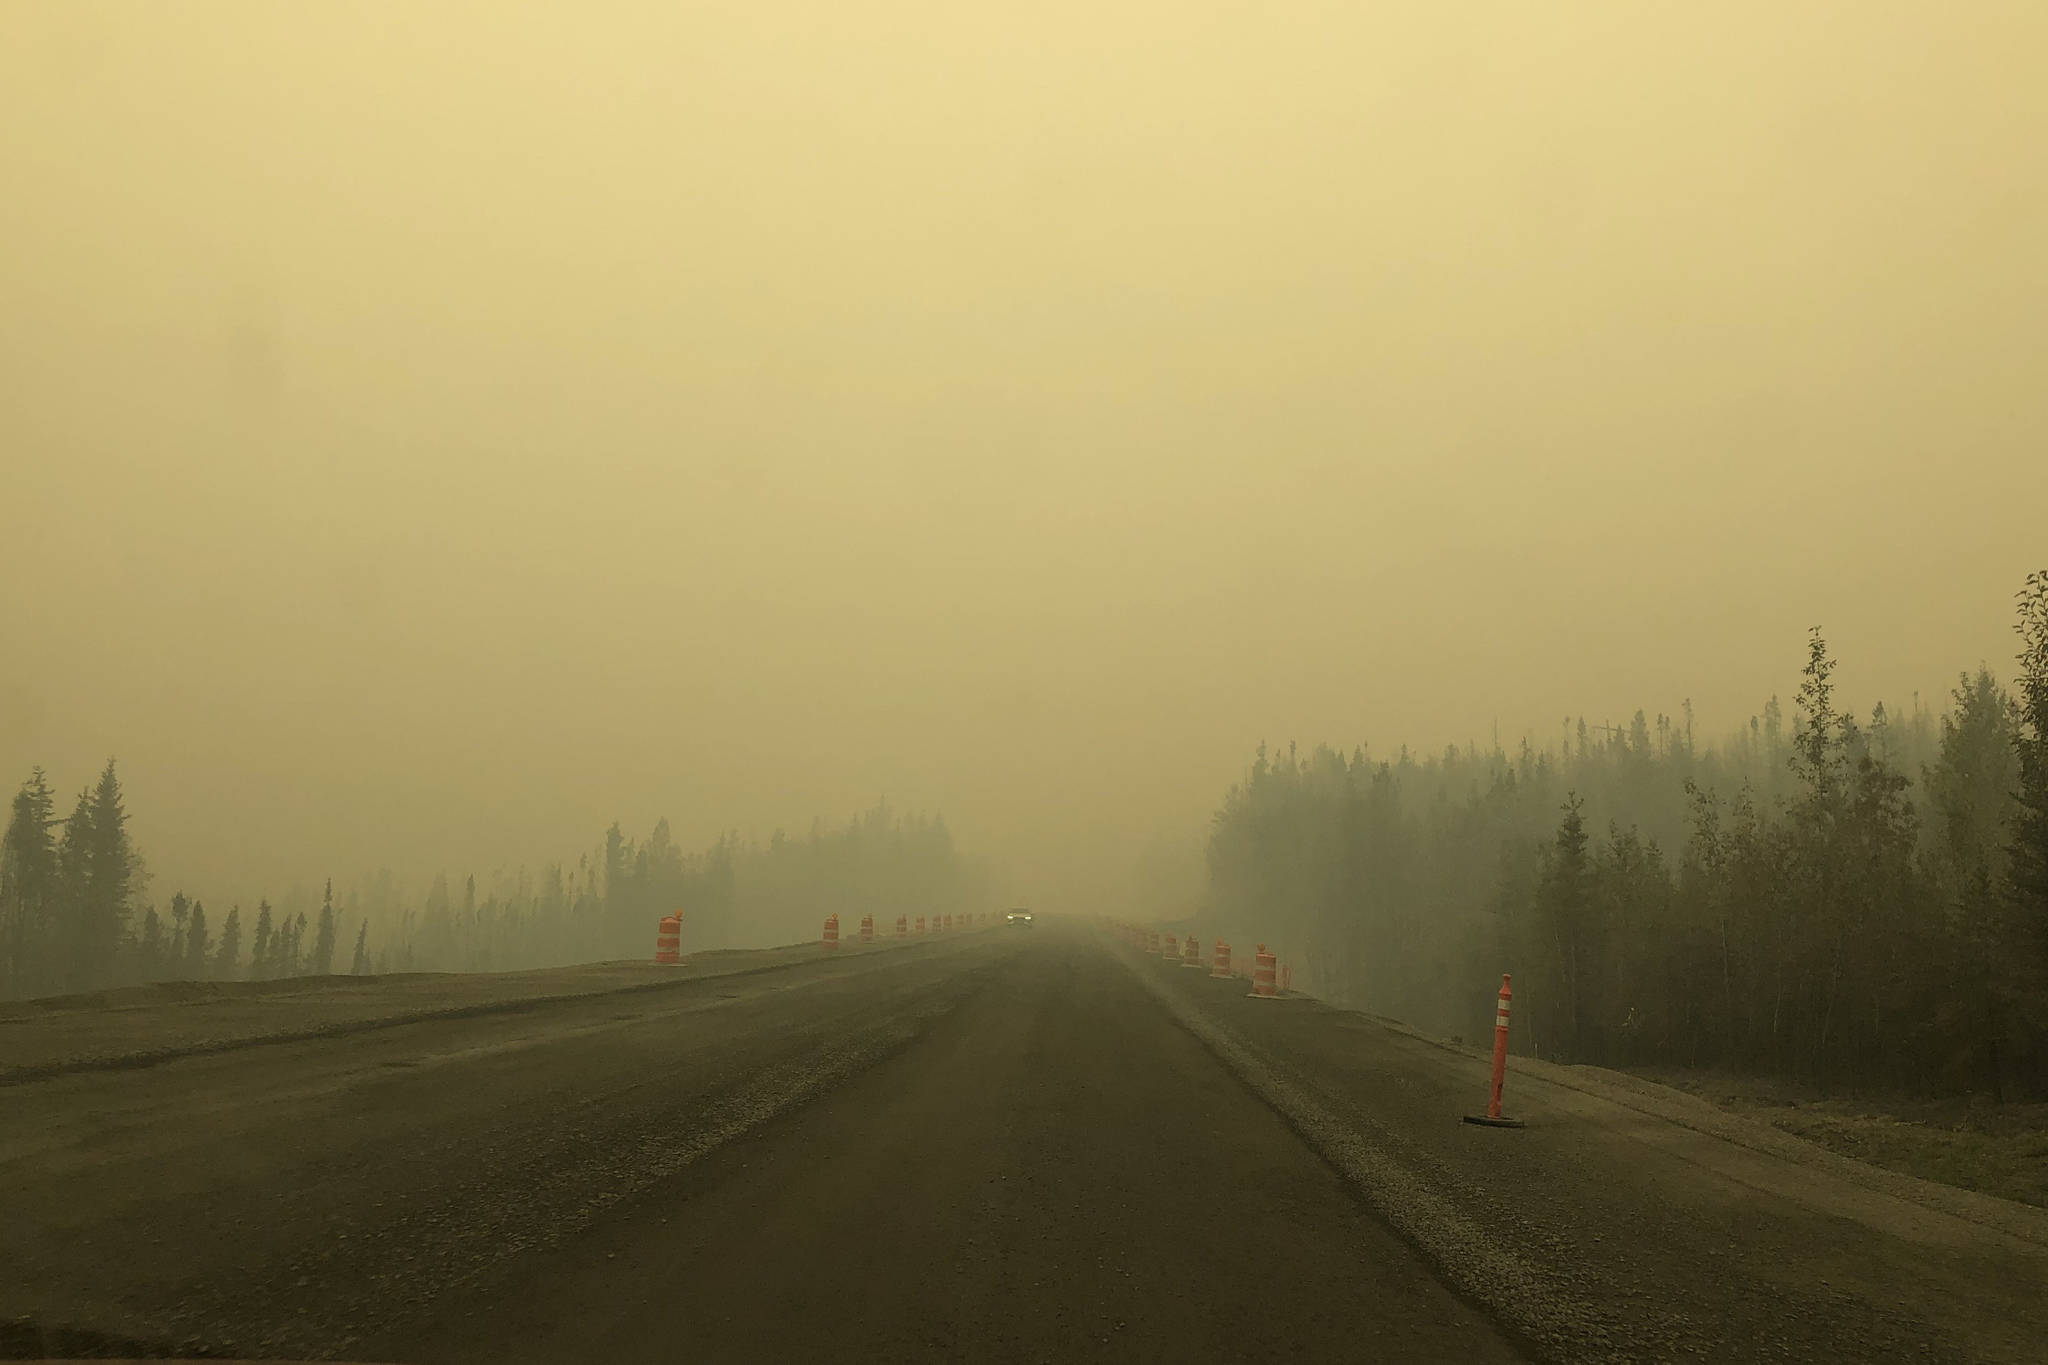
{"points": [[737, 892], [75, 915], [1845, 900]]}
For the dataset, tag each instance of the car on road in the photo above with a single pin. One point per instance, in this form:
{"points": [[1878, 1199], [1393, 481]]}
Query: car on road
{"points": [[1019, 916]]}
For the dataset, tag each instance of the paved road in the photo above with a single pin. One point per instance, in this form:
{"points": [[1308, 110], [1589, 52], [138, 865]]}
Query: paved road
{"points": [[998, 1149], [1017, 1145], [1058, 1173]]}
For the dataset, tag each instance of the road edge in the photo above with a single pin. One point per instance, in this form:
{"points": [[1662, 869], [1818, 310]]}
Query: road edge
{"points": [[1539, 1311]]}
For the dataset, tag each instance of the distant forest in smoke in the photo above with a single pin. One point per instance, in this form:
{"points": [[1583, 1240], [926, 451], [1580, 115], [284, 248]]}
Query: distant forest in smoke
{"points": [[1840, 900], [74, 915]]}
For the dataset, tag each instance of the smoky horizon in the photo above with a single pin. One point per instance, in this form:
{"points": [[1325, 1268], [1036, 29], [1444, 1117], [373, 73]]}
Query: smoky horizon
{"points": [[434, 433]]}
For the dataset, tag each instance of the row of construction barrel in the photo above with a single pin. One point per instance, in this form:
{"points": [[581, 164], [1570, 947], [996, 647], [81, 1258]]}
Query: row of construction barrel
{"points": [[941, 924], [1269, 976], [668, 933]]}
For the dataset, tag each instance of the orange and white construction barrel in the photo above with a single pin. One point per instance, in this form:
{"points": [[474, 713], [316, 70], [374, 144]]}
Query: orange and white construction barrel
{"points": [[1263, 975]]}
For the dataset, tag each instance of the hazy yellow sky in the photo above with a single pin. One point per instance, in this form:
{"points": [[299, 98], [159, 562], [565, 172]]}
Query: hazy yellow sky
{"points": [[429, 431]]}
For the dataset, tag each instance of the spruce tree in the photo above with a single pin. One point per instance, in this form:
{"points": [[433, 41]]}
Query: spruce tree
{"points": [[321, 963], [292, 962], [114, 870], [360, 964], [73, 900], [197, 942], [1970, 788], [264, 948], [1970, 794], [150, 951], [181, 915], [28, 891], [1564, 902], [225, 960]]}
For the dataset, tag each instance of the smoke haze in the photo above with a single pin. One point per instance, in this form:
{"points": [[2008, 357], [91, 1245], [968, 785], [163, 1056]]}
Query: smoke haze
{"points": [[429, 432]]}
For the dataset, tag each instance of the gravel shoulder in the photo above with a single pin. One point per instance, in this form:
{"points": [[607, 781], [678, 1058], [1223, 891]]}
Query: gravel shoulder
{"points": [[1630, 1221]]}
